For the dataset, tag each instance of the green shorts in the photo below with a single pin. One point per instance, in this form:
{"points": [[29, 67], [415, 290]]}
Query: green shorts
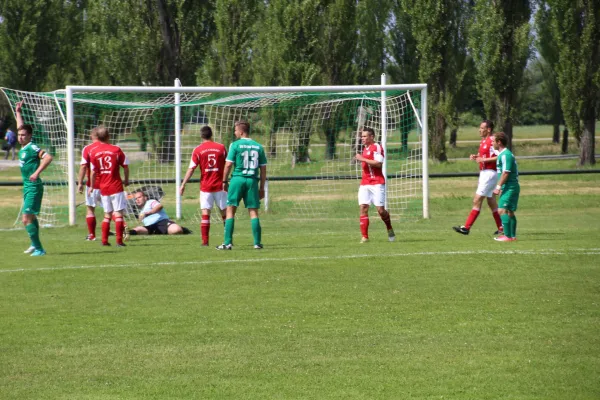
{"points": [[509, 199], [32, 199], [246, 189]]}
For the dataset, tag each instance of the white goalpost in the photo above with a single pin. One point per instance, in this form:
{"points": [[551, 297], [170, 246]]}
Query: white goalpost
{"points": [[310, 135]]}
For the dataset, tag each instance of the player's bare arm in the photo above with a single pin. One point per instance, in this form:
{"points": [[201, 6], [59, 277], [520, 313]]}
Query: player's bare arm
{"points": [[46, 160], [82, 171], [154, 210], [372, 163], [125, 175], [92, 182], [18, 108], [186, 178], [483, 159], [263, 180], [503, 179]]}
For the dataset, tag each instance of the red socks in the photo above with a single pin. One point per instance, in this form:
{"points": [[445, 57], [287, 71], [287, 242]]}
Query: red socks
{"points": [[471, 218], [120, 228], [91, 223], [364, 226], [205, 229], [105, 230]]}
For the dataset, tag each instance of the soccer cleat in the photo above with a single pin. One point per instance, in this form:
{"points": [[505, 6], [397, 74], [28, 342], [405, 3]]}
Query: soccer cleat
{"points": [[204, 244], [499, 231], [126, 235], [105, 244], [90, 237], [364, 240], [224, 247], [38, 253], [504, 238], [29, 250], [121, 245], [391, 235], [461, 229], [258, 246]]}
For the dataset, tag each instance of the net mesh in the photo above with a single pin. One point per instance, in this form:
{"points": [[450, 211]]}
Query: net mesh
{"points": [[310, 138]]}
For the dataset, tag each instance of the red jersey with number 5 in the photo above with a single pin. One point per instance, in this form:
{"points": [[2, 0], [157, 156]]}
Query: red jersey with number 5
{"points": [[210, 156], [486, 150], [106, 161], [372, 175]]}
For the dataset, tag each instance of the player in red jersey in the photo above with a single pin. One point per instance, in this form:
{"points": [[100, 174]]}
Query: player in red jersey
{"points": [[372, 184], [210, 156], [106, 160], [486, 157], [94, 200]]}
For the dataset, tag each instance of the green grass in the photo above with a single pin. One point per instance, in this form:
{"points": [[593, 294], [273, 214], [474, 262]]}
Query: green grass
{"points": [[315, 314]]}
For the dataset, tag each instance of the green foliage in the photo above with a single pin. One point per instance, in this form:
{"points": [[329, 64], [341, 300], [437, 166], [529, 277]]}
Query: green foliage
{"points": [[500, 42], [575, 28]]}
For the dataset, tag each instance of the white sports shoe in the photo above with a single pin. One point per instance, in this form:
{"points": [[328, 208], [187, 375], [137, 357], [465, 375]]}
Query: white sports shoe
{"points": [[29, 250], [364, 240], [391, 235]]}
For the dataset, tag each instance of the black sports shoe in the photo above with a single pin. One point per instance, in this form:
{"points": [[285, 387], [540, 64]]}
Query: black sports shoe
{"points": [[121, 245], [461, 229], [499, 232], [224, 247]]}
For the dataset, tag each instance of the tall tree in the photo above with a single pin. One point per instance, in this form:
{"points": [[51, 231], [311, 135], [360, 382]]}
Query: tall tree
{"points": [[575, 27], [338, 42], [372, 20], [549, 51], [439, 28], [500, 42]]}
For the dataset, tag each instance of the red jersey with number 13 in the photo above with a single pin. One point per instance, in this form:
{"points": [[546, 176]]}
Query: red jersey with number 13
{"points": [[486, 150], [372, 175], [106, 160], [210, 156]]}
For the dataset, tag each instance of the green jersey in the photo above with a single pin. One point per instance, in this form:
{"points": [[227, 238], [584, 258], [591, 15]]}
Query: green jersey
{"points": [[29, 161], [247, 156], [506, 162]]}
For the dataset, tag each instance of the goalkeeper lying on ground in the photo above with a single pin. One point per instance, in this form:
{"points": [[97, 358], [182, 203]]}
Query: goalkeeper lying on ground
{"points": [[154, 218]]}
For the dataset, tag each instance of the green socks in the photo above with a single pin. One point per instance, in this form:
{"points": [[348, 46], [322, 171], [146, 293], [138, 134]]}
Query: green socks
{"points": [[507, 224], [34, 235], [229, 225], [513, 226], [256, 230]]}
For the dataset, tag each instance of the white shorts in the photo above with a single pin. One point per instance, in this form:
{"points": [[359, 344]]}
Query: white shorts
{"points": [[371, 194], [94, 199], [115, 202], [487, 182], [208, 199]]}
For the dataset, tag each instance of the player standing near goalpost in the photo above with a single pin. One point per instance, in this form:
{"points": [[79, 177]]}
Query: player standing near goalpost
{"points": [[372, 184], [106, 160], [94, 199], [486, 157], [508, 183], [32, 161], [247, 158], [210, 156]]}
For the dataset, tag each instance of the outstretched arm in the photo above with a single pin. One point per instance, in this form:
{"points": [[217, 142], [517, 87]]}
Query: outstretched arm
{"points": [[18, 108]]}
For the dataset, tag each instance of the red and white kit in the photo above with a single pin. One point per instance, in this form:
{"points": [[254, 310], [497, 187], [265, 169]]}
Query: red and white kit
{"points": [[92, 200], [487, 174], [210, 156], [372, 184], [106, 161]]}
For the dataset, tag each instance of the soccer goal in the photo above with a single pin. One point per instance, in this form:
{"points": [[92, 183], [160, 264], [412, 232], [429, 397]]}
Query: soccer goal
{"points": [[310, 135]]}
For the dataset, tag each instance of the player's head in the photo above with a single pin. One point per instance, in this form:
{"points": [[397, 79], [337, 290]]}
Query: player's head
{"points": [[486, 128], [94, 135], [367, 136], [140, 197], [24, 134], [206, 133], [242, 129], [500, 140], [101, 133]]}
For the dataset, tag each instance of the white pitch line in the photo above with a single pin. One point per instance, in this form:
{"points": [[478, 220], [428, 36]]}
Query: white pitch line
{"points": [[315, 258]]}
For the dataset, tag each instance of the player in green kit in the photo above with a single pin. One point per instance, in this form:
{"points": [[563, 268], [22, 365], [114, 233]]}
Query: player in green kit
{"points": [[249, 163], [508, 184], [32, 161]]}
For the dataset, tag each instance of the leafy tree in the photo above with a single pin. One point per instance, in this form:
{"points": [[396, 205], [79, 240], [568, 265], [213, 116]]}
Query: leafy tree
{"points": [[372, 19], [439, 29], [575, 28], [500, 42]]}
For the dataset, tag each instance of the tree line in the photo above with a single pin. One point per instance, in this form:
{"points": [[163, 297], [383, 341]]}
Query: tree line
{"points": [[511, 61]]}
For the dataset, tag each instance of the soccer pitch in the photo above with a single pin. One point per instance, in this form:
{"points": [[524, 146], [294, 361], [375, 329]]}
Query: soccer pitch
{"points": [[316, 314]]}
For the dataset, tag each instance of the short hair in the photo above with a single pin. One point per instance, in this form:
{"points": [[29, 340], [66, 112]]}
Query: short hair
{"points": [[101, 133], [27, 128], [206, 132], [489, 124], [501, 137], [244, 125], [370, 130], [140, 191]]}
